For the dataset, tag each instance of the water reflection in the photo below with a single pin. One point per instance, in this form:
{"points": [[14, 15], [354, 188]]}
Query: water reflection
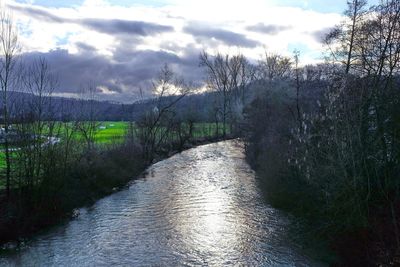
{"points": [[201, 207]]}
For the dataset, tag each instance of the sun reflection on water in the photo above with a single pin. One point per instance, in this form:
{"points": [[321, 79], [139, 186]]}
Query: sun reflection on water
{"points": [[208, 217]]}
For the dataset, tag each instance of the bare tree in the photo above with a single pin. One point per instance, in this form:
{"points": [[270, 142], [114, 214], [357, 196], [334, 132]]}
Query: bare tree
{"points": [[274, 66], [343, 40], [155, 126], [228, 76], [297, 79], [313, 73], [355, 12], [87, 123], [67, 131], [218, 79], [40, 83], [9, 49]]}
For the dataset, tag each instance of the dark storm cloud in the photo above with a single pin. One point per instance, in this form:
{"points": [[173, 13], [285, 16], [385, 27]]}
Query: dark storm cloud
{"points": [[75, 70], [227, 37], [270, 29], [121, 77], [108, 26]]}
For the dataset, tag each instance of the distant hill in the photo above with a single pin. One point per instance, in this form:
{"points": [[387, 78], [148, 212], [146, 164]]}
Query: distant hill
{"points": [[62, 108]]}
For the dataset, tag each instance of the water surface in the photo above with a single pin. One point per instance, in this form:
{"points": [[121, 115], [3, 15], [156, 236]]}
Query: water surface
{"points": [[200, 207]]}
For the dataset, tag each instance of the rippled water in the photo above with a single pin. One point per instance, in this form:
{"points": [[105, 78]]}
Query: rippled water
{"points": [[200, 207]]}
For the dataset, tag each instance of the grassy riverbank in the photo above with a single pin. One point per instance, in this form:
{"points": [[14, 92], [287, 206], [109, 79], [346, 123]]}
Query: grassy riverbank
{"points": [[107, 134]]}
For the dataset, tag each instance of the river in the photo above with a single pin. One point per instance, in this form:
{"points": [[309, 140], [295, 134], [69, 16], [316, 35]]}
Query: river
{"points": [[200, 207]]}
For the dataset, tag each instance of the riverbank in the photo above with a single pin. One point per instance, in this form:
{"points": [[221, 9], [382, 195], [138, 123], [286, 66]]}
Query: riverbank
{"points": [[375, 244], [96, 174]]}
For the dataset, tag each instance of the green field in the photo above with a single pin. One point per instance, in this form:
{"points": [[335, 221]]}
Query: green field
{"points": [[110, 132]]}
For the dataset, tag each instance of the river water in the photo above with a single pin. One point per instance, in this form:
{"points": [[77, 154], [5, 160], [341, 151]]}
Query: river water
{"points": [[200, 207]]}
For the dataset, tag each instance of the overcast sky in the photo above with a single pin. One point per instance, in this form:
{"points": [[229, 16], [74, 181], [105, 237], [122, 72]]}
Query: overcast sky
{"points": [[121, 44]]}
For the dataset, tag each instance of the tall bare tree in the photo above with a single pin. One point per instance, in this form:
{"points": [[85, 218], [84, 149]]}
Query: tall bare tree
{"points": [[296, 55], [40, 83], [218, 79], [343, 41], [228, 76], [9, 48]]}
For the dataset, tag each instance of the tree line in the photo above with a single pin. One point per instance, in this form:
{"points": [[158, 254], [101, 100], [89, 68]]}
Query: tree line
{"points": [[325, 139]]}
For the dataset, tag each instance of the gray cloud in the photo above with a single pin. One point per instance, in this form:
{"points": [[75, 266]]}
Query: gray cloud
{"points": [[75, 70], [109, 26], [117, 26], [38, 14], [227, 37], [123, 77], [85, 47], [129, 68], [320, 35], [270, 29]]}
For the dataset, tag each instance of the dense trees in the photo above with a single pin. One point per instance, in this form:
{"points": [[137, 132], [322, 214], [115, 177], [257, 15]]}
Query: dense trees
{"points": [[338, 164]]}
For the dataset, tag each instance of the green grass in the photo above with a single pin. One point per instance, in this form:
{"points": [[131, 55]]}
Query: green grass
{"points": [[207, 129], [3, 167], [111, 132], [2, 160], [2, 164], [106, 132], [114, 131]]}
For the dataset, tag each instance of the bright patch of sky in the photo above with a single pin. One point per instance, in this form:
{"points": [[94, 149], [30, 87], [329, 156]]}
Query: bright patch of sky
{"points": [[70, 3], [52, 3], [325, 6]]}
